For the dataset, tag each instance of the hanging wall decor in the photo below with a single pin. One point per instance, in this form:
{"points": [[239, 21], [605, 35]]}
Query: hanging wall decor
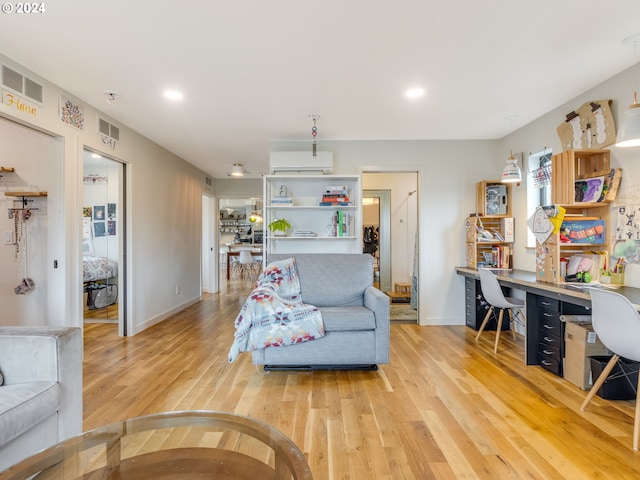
{"points": [[71, 113], [589, 127]]}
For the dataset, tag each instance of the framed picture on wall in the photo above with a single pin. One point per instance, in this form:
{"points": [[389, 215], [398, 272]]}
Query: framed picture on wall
{"points": [[99, 229], [111, 227], [111, 211], [98, 213]]}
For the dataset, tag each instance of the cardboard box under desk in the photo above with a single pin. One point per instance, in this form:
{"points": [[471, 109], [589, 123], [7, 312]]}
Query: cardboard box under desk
{"points": [[581, 342]]}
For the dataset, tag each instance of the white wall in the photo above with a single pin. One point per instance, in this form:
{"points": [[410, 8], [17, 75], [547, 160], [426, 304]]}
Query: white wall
{"points": [[37, 160], [164, 216]]}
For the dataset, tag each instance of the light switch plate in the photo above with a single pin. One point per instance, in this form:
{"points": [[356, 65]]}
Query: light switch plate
{"points": [[8, 237]]}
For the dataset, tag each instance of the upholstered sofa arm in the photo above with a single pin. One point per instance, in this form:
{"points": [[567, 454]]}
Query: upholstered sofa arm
{"points": [[47, 354], [378, 302]]}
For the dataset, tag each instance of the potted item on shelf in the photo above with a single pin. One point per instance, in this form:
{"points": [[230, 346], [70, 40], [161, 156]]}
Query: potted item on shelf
{"points": [[279, 227]]}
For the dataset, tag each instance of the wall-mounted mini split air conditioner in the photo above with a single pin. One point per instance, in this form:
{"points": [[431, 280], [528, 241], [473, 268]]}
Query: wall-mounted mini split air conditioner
{"points": [[301, 162]]}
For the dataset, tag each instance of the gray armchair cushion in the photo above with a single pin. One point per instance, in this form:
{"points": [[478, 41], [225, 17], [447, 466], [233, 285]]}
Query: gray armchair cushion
{"points": [[25, 405], [343, 319]]}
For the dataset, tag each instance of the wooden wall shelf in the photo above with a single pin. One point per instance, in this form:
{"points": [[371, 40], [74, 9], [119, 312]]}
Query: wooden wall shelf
{"points": [[7, 169], [25, 194]]}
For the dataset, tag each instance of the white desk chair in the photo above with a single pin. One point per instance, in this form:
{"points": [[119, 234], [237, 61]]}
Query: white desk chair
{"points": [[492, 293], [617, 323]]}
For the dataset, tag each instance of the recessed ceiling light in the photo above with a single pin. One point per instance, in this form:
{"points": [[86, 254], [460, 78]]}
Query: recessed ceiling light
{"points": [[173, 95], [414, 93]]}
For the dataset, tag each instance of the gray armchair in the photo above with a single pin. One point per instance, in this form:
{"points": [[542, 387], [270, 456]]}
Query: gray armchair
{"points": [[355, 315]]}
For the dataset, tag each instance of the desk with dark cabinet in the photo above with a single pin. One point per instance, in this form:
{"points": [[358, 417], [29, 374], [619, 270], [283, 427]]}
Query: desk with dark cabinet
{"points": [[545, 302]]}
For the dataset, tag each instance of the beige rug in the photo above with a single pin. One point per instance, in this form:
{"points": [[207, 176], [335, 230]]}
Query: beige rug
{"points": [[403, 313]]}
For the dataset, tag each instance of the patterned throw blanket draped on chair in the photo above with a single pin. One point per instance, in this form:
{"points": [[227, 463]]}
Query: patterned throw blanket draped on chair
{"points": [[273, 314]]}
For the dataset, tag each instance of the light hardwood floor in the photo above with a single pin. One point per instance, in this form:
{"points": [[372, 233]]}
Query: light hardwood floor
{"points": [[444, 407]]}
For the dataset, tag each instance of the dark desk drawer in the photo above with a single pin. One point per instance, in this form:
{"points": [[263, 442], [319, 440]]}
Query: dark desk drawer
{"points": [[550, 323], [552, 341], [550, 350], [549, 303], [551, 364]]}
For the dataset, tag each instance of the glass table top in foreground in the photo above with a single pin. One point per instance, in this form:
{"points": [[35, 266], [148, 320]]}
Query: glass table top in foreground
{"points": [[174, 445]]}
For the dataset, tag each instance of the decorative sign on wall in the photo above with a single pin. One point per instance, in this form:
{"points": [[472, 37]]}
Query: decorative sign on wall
{"points": [[19, 103], [71, 113], [94, 178], [589, 127]]}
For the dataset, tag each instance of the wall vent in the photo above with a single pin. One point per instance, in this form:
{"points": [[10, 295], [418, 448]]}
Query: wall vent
{"points": [[110, 133], [208, 181], [22, 85]]}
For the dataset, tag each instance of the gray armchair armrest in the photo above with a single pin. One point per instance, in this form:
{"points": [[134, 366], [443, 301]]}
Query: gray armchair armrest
{"points": [[54, 354], [378, 302]]}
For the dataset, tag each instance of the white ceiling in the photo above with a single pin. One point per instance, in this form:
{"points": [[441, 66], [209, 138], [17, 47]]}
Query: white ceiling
{"points": [[253, 71]]}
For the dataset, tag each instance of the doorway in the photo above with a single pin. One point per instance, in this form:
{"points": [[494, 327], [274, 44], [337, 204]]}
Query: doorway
{"points": [[103, 240], [396, 194]]}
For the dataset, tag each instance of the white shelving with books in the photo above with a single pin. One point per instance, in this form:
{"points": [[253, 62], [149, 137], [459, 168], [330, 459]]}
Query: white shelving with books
{"points": [[324, 213]]}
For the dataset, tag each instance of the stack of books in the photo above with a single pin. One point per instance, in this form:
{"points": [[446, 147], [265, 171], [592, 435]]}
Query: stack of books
{"points": [[335, 195], [501, 256], [281, 201]]}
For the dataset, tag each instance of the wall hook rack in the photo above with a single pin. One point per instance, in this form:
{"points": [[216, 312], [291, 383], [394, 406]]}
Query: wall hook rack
{"points": [[24, 198]]}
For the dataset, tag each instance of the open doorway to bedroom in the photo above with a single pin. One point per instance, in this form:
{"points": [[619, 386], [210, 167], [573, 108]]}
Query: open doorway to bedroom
{"points": [[103, 235]]}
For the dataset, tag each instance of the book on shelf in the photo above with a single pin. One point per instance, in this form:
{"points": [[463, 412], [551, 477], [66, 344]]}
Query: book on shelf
{"points": [[304, 233], [281, 200], [335, 204], [501, 256], [340, 226], [337, 190]]}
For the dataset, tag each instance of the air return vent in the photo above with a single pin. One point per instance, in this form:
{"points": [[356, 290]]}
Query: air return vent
{"points": [[22, 85], [111, 131]]}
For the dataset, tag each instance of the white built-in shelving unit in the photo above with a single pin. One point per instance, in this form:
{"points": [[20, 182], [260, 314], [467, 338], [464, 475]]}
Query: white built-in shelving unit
{"points": [[312, 225]]}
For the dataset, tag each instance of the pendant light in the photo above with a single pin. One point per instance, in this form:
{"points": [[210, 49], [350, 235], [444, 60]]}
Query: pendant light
{"points": [[511, 172], [237, 170], [629, 131]]}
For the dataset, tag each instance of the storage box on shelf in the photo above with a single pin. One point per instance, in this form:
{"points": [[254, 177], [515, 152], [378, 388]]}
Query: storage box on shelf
{"points": [[585, 227], [493, 199], [323, 210], [494, 252]]}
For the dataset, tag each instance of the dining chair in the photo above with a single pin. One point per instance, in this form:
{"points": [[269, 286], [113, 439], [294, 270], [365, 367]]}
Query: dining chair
{"points": [[492, 292], [248, 266], [617, 323], [222, 260]]}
